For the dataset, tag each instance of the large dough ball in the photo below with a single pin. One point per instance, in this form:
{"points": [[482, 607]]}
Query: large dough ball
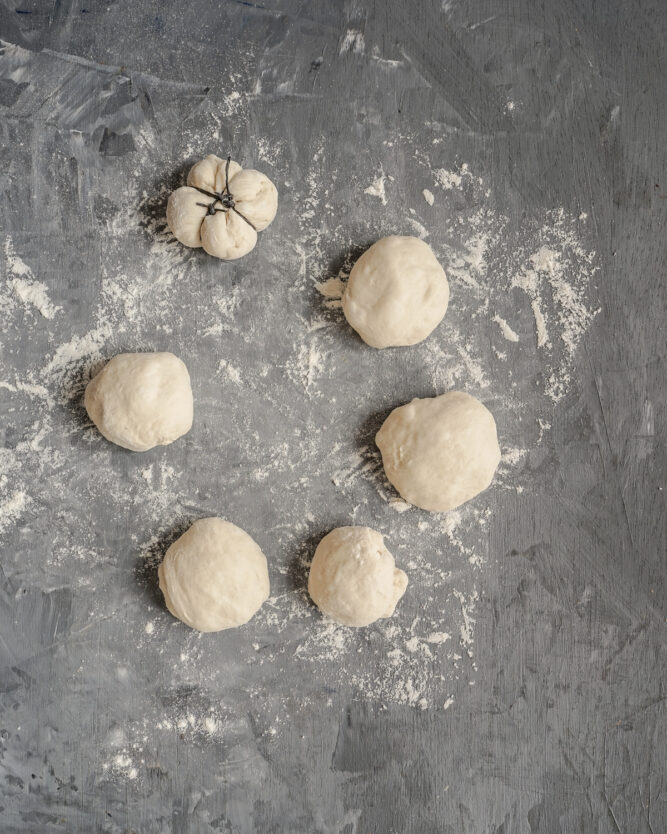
{"points": [[208, 220], [440, 452], [214, 577], [397, 292], [141, 400], [353, 578]]}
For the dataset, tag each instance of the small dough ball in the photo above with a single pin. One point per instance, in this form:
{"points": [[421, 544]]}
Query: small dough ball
{"points": [[353, 578], [214, 577], [141, 400], [397, 293], [441, 451], [199, 213]]}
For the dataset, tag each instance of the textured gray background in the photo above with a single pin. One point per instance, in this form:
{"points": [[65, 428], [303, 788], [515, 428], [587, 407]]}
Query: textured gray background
{"points": [[564, 729]]}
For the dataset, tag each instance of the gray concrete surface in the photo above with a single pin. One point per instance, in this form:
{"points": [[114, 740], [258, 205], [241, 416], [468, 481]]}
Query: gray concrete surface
{"points": [[520, 687]]}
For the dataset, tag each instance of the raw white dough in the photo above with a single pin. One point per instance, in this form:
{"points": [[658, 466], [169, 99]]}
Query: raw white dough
{"points": [[397, 293], [223, 234], [353, 578], [441, 451], [214, 577], [141, 400]]}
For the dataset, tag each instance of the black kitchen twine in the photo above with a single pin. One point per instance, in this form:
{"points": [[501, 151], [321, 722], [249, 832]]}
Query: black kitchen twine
{"points": [[225, 197]]}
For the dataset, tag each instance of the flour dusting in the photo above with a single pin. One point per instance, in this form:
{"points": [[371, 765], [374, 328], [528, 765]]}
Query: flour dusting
{"points": [[25, 286], [377, 189], [296, 437], [12, 508], [447, 179], [353, 41], [505, 329]]}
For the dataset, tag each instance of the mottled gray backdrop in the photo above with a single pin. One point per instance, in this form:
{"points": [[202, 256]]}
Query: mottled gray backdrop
{"points": [[115, 718]]}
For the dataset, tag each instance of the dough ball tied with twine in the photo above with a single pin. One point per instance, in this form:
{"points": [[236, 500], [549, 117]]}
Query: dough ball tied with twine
{"points": [[222, 207]]}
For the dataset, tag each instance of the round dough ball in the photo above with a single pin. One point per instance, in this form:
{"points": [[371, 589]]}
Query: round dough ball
{"points": [[353, 578], [141, 400], [397, 293], [441, 451], [214, 577], [203, 219]]}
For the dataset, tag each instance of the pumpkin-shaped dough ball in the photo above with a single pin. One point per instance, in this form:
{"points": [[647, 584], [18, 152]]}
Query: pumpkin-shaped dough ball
{"points": [[397, 293], [440, 452], [353, 578], [214, 576], [222, 207], [141, 400]]}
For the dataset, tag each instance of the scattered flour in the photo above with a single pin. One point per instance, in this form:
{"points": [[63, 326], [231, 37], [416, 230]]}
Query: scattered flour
{"points": [[467, 608], [505, 329], [332, 289], [438, 637], [493, 268], [540, 324], [447, 179], [353, 41], [377, 189], [419, 229], [12, 508], [232, 373], [34, 292], [26, 288]]}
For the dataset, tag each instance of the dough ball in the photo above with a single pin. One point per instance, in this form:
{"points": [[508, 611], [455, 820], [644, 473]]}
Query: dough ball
{"points": [[141, 400], [207, 219], [353, 578], [397, 293], [214, 577], [441, 451]]}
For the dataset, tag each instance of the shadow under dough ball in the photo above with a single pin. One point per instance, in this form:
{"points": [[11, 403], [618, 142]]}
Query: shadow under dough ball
{"points": [[214, 576], [353, 578], [141, 400], [440, 452], [397, 293]]}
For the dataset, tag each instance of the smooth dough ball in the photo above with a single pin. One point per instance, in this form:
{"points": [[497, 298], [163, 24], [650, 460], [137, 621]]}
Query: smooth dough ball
{"points": [[198, 219], [353, 578], [214, 577], [397, 293], [141, 400], [441, 451]]}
